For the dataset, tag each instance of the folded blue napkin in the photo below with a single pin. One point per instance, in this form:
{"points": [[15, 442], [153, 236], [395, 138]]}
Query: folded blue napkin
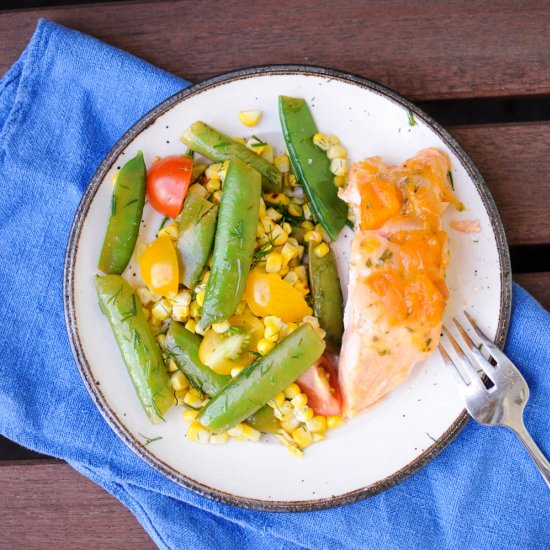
{"points": [[62, 107]]}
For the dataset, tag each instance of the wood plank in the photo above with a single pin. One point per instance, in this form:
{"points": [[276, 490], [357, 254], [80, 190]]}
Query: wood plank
{"points": [[513, 158], [538, 284], [47, 503], [424, 50]]}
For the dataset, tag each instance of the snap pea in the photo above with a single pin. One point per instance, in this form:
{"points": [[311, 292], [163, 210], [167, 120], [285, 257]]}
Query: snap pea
{"points": [[183, 346], [234, 243], [127, 203], [328, 303], [207, 141], [137, 345], [264, 420], [254, 386], [311, 165], [197, 226]]}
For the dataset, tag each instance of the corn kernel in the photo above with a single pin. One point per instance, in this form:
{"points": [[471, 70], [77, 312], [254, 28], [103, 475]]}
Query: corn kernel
{"points": [[333, 139], [301, 272], [222, 327], [172, 365], [236, 431], [180, 313], [170, 231], [295, 210], [295, 451], [312, 320], [273, 214], [193, 399], [336, 152], [272, 334], [201, 331], [307, 225], [313, 237], [282, 163], [291, 327], [277, 198], [317, 436], [279, 237], [299, 400], [290, 425], [284, 270], [262, 212], [284, 438], [307, 212], [334, 422], [198, 189], [240, 140], [212, 171], [219, 439], [217, 197], [191, 325], [268, 224], [189, 415], [303, 414], [161, 339], [146, 296], [301, 250], [265, 346], [302, 437], [287, 228], [205, 277], [250, 118], [339, 180], [200, 298], [267, 153], [162, 310], [321, 140], [183, 298], [292, 391], [321, 250], [213, 184], [235, 371], [146, 313], [317, 424], [197, 432], [256, 145], [339, 167], [179, 381], [292, 181], [250, 433], [274, 262], [302, 287], [288, 252]]}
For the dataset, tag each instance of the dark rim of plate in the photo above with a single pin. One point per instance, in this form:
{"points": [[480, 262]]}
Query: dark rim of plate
{"points": [[70, 314]]}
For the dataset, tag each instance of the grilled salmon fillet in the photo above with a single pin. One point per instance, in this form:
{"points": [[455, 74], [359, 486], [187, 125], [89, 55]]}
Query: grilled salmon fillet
{"points": [[396, 291]]}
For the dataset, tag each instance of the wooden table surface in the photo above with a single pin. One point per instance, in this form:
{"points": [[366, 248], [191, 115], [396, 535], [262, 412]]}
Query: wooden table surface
{"points": [[448, 57]]}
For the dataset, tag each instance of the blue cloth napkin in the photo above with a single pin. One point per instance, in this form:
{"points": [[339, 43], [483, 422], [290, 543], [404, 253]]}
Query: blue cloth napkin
{"points": [[62, 106]]}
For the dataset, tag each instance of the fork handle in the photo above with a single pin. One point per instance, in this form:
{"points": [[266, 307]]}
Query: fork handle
{"points": [[536, 454]]}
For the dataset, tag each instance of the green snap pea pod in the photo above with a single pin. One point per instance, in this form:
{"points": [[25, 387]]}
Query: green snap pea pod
{"points": [[254, 386], [264, 420], [183, 346], [328, 303], [234, 243], [127, 203], [197, 226], [137, 345], [207, 141], [311, 165]]}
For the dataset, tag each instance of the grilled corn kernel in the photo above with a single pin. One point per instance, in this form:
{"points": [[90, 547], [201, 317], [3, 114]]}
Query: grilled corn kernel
{"points": [[287, 228], [284, 438], [274, 262], [268, 224], [211, 171], [193, 399], [321, 140], [240, 140], [198, 189], [295, 210], [282, 163], [170, 231], [236, 431], [284, 270], [307, 212], [272, 334], [290, 327], [317, 436], [288, 252], [313, 237], [213, 184], [191, 325], [302, 437], [324, 235], [273, 214], [222, 327], [303, 414], [262, 212], [302, 287], [172, 366], [180, 313], [301, 250], [189, 415], [292, 391], [235, 371], [197, 432], [200, 298], [334, 421], [339, 167], [265, 346], [317, 424], [178, 381], [336, 152], [301, 272], [299, 400], [277, 198], [307, 225], [161, 339], [146, 296], [292, 181], [251, 433], [183, 298], [146, 313], [321, 250], [290, 425], [219, 439], [250, 118], [216, 197], [295, 451], [267, 153], [339, 180], [162, 310], [333, 139], [279, 237]]}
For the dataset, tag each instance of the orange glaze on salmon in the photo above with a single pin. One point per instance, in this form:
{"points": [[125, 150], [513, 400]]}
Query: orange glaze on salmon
{"points": [[397, 291]]}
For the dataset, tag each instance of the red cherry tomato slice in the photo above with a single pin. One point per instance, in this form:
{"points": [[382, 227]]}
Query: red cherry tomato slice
{"points": [[320, 384], [167, 182]]}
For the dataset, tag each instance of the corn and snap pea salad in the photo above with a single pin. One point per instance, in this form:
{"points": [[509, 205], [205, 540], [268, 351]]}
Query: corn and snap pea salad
{"points": [[242, 309]]}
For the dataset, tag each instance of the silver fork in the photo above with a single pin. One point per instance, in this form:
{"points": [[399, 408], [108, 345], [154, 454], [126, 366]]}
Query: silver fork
{"points": [[503, 403]]}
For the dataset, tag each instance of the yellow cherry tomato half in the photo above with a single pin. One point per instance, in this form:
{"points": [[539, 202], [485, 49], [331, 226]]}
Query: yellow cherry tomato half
{"points": [[267, 294], [223, 352], [159, 266]]}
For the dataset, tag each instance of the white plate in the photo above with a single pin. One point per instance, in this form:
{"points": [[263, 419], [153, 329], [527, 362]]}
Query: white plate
{"points": [[381, 446]]}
